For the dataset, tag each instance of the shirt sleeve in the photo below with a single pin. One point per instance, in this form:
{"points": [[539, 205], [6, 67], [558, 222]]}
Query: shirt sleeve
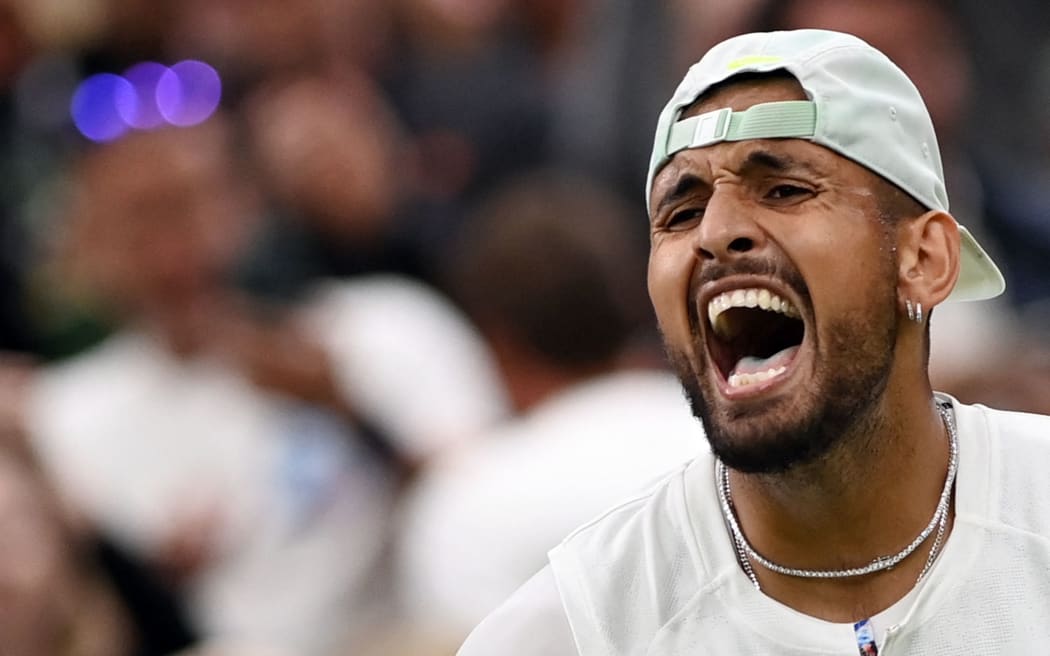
{"points": [[530, 623]]}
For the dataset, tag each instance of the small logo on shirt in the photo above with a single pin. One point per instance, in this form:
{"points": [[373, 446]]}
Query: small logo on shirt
{"points": [[865, 638]]}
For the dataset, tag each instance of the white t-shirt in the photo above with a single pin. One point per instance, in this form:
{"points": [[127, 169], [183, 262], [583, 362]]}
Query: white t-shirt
{"points": [[658, 575], [139, 441], [480, 522], [409, 361]]}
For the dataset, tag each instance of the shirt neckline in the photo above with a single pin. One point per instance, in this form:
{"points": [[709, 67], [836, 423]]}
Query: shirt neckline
{"points": [[716, 558]]}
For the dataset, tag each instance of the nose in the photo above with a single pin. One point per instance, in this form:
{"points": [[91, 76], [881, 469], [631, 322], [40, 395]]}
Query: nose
{"points": [[728, 229]]}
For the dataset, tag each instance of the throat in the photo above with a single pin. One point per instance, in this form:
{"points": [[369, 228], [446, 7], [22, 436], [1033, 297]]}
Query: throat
{"points": [[849, 546]]}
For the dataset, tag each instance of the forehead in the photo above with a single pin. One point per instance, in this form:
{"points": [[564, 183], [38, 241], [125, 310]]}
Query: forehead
{"points": [[741, 93]]}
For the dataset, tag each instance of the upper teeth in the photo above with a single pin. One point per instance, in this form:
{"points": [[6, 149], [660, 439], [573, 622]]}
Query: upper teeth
{"points": [[756, 297]]}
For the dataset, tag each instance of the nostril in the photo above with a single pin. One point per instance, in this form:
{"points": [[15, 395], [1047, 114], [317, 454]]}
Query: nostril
{"points": [[741, 245], [738, 245]]}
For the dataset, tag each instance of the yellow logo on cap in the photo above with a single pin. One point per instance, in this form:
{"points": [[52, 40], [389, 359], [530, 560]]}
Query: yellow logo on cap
{"points": [[752, 60]]}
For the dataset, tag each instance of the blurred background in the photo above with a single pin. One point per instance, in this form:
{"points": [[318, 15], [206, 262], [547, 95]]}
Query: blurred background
{"points": [[321, 321]]}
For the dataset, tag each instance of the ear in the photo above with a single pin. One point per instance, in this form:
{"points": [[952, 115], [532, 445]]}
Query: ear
{"points": [[928, 258]]}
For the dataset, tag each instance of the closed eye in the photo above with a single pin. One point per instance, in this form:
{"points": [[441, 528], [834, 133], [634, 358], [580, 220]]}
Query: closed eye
{"points": [[684, 219]]}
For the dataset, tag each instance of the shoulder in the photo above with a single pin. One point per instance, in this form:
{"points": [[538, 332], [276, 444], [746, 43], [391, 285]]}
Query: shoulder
{"points": [[407, 359], [386, 306], [1007, 430], [1003, 478], [67, 397], [625, 575], [655, 514], [466, 552], [530, 623]]}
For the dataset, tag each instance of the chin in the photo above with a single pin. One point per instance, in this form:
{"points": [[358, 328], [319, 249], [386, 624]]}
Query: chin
{"points": [[801, 424], [767, 437], [776, 442]]}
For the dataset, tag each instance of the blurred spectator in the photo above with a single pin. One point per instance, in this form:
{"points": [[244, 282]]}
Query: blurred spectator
{"points": [[548, 270], [407, 363], [609, 72], [469, 84], [1023, 385], [55, 601], [606, 86], [160, 439], [16, 333], [333, 157], [1008, 43], [19, 167], [251, 41], [215, 437], [132, 607]]}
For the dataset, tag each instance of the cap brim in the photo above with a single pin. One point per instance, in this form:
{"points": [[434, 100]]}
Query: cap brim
{"points": [[979, 278]]}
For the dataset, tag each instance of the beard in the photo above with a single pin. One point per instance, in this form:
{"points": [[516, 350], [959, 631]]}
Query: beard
{"points": [[774, 435]]}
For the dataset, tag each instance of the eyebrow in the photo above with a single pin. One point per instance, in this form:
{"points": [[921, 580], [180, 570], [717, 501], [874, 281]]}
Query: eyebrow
{"points": [[755, 160], [685, 185], [763, 159]]}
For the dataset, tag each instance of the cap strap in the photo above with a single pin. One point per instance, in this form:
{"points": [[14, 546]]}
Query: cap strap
{"points": [[774, 120]]}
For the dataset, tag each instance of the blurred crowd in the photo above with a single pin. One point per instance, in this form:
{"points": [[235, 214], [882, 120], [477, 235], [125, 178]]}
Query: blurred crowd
{"points": [[329, 372]]}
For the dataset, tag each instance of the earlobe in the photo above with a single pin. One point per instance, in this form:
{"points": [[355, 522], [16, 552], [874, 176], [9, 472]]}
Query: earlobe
{"points": [[928, 259]]}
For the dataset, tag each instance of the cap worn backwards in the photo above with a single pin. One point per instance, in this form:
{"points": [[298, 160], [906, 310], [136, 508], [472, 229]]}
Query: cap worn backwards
{"points": [[861, 105]]}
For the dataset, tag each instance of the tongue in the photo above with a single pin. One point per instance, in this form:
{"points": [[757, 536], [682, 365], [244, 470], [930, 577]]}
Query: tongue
{"points": [[753, 365]]}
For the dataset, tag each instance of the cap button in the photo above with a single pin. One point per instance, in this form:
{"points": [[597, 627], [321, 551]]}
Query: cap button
{"points": [[893, 113]]}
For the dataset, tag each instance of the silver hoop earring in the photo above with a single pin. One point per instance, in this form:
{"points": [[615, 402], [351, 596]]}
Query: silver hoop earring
{"points": [[918, 313], [911, 309]]}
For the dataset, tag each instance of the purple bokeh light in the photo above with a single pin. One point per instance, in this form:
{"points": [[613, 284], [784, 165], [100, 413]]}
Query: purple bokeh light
{"points": [[188, 93], [141, 111], [105, 106], [94, 106]]}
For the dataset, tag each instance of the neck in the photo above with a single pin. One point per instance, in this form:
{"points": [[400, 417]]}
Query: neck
{"points": [[185, 324], [530, 378], [869, 498]]}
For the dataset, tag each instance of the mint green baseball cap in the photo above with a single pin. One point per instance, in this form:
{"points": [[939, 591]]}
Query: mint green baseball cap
{"points": [[861, 105]]}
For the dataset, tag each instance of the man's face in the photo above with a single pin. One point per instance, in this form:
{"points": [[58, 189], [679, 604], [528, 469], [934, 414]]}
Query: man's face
{"points": [[774, 283], [163, 217]]}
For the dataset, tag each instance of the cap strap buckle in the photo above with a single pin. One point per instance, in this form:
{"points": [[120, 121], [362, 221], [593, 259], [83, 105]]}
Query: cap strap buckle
{"points": [[773, 120], [698, 131], [711, 127]]}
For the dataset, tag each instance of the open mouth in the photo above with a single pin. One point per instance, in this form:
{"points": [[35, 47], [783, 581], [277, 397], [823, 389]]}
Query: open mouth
{"points": [[754, 336]]}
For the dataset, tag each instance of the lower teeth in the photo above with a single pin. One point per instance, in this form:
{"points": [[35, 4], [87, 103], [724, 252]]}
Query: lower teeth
{"points": [[742, 380]]}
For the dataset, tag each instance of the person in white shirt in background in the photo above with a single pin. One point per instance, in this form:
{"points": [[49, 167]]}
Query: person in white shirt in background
{"points": [[548, 270], [222, 440]]}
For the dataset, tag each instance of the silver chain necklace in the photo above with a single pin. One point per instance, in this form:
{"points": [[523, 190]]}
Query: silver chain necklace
{"points": [[938, 522]]}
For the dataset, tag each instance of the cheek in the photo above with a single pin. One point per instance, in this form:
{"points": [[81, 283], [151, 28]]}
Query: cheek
{"points": [[669, 274], [842, 262]]}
